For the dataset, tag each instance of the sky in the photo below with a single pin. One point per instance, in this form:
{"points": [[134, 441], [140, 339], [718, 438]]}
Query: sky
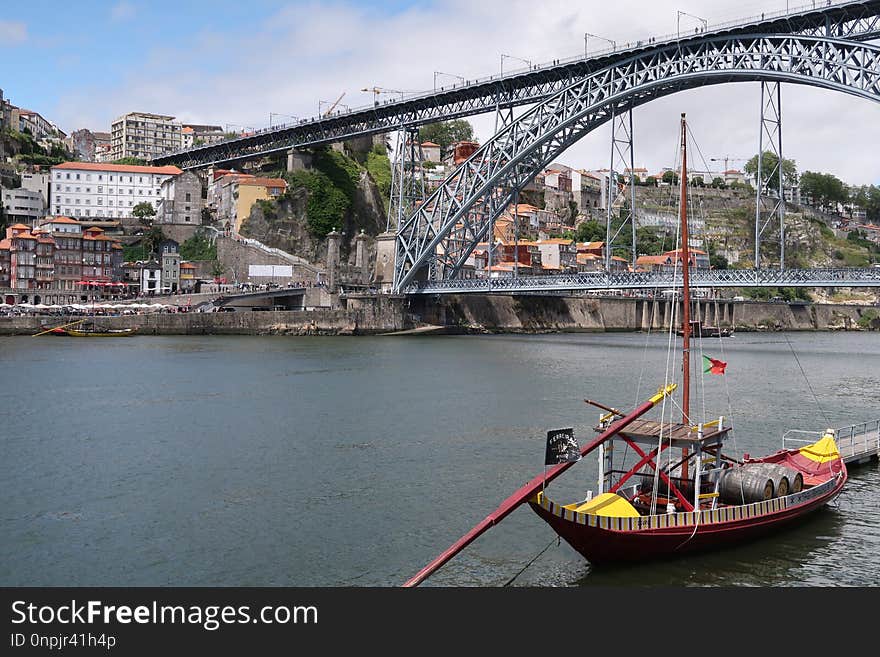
{"points": [[246, 64]]}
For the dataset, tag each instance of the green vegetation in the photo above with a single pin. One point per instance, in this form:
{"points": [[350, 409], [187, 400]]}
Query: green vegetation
{"points": [[379, 168], [331, 188], [867, 197], [131, 161], [145, 212], [30, 152], [785, 293], [446, 133], [134, 253], [769, 162], [670, 178], [825, 189], [198, 247], [870, 319]]}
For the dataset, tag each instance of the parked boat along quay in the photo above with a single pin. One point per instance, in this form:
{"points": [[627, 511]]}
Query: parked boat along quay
{"points": [[370, 315]]}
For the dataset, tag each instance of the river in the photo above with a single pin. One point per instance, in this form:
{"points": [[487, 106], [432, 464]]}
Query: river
{"points": [[310, 461]]}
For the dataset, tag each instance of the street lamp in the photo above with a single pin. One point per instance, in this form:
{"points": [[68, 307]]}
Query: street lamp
{"points": [[519, 59], [271, 114], [596, 36], [452, 75], [684, 13]]}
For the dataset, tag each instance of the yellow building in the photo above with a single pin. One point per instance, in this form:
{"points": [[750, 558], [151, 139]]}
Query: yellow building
{"points": [[239, 192]]}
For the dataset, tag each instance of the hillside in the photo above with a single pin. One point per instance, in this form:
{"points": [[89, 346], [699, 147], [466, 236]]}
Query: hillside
{"points": [[336, 191]]}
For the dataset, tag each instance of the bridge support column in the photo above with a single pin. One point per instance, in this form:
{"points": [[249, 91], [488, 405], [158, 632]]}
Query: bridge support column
{"points": [[622, 165], [770, 187], [332, 260], [298, 160], [383, 273]]}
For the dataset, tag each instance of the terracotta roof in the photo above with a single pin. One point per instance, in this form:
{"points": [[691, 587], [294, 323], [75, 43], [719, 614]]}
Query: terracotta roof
{"points": [[430, 144], [94, 229], [19, 227], [691, 250], [123, 168], [581, 257], [590, 245], [116, 245], [5, 244], [61, 220], [619, 259], [45, 239], [264, 182], [187, 265], [556, 240], [652, 260], [187, 130], [25, 236]]}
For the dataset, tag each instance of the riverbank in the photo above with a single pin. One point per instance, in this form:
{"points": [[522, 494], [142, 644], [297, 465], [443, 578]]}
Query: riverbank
{"points": [[475, 314]]}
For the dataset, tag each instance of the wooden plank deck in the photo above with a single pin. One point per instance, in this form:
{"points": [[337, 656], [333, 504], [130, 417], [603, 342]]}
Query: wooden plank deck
{"points": [[861, 448]]}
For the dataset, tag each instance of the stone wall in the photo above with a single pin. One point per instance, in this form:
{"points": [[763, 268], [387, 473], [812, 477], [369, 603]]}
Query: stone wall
{"points": [[380, 316], [528, 313], [235, 257]]}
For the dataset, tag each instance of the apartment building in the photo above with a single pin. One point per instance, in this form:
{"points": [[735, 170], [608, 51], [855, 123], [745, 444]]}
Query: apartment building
{"points": [[142, 135]]}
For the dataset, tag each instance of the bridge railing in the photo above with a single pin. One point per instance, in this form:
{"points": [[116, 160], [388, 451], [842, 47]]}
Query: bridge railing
{"points": [[821, 277], [845, 437]]}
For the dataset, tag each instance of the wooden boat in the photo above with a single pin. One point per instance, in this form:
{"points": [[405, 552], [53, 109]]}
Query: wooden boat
{"points": [[667, 488], [701, 330], [100, 332]]}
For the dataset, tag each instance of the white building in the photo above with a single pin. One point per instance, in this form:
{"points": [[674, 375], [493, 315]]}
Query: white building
{"points": [[23, 205], [96, 189], [142, 135], [151, 277]]}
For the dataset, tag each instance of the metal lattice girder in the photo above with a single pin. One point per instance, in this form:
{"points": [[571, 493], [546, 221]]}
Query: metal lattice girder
{"points": [[770, 187], [451, 222], [600, 280], [854, 21]]}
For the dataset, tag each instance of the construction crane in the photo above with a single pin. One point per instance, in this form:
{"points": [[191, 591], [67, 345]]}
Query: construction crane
{"points": [[726, 159], [379, 90], [333, 106]]}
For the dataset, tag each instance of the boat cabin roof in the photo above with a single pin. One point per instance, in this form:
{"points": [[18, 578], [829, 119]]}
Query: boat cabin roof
{"points": [[648, 431]]}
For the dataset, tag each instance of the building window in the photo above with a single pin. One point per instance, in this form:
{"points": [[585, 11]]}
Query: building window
{"points": [[186, 219], [188, 198], [68, 176], [77, 176], [100, 189], [100, 177]]}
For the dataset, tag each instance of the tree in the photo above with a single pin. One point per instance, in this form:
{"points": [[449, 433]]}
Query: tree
{"points": [[825, 189], [670, 178], [718, 183], [768, 168], [151, 240], [144, 211], [447, 133], [651, 181], [590, 231]]}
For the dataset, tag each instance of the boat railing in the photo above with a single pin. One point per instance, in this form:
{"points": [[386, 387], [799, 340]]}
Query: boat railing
{"points": [[844, 436], [787, 440]]}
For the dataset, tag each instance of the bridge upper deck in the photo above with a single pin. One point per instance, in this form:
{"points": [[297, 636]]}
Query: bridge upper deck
{"points": [[854, 20]]}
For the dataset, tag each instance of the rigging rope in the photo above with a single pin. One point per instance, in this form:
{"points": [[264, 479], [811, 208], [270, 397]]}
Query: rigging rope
{"points": [[815, 398], [533, 560]]}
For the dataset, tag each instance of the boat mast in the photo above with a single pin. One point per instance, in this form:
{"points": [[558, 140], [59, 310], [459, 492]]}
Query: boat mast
{"points": [[685, 296]]}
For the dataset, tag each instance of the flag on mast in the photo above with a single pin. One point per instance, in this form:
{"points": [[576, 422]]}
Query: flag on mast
{"points": [[713, 366]]}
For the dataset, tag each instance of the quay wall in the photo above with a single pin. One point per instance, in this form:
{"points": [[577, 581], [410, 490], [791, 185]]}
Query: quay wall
{"points": [[363, 315], [528, 313]]}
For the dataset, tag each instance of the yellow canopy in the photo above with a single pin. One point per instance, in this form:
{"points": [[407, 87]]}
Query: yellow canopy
{"points": [[606, 504], [821, 451]]}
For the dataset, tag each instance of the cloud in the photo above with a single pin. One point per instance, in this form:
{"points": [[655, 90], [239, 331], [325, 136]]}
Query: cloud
{"points": [[12, 33], [307, 53], [122, 11]]}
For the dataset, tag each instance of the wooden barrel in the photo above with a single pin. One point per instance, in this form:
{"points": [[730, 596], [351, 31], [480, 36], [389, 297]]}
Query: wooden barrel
{"points": [[787, 480], [745, 484]]}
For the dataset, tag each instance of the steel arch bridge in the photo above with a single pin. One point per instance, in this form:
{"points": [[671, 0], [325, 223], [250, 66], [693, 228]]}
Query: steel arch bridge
{"points": [[857, 20], [437, 239]]}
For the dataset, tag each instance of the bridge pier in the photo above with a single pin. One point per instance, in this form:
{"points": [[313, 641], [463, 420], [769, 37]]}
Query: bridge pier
{"points": [[298, 160]]}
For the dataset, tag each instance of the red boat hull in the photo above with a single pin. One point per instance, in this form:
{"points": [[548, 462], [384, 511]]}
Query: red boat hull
{"points": [[600, 545]]}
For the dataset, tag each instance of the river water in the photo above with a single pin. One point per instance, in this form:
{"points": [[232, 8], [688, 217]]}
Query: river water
{"points": [[309, 461]]}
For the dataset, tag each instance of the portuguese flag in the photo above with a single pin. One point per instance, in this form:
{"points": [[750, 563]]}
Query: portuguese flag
{"points": [[713, 366]]}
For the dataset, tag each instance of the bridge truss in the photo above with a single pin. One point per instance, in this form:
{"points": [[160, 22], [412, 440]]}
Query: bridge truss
{"points": [[443, 232]]}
